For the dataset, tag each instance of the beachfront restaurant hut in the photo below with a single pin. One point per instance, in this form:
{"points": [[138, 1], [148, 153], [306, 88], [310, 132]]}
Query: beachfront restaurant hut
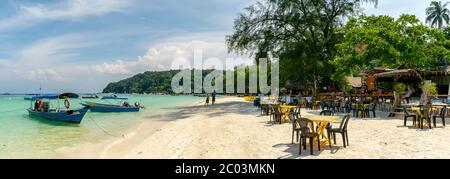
{"points": [[415, 77]]}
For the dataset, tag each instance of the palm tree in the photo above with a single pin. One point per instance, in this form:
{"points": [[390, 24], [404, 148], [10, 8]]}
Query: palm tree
{"points": [[437, 14]]}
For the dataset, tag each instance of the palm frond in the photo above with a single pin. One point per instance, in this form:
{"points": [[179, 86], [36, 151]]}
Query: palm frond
{"points": [[437, 14]]}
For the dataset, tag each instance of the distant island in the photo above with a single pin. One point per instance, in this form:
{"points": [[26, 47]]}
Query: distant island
{"points": [[150, 82], [155, 82]]}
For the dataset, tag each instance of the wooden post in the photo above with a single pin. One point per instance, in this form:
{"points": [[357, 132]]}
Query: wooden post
{"points": [[397, 100], [448, 97]]}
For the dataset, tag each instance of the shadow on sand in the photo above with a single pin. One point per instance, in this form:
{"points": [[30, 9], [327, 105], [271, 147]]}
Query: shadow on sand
{"points": [[183, 112], [293, 150]]}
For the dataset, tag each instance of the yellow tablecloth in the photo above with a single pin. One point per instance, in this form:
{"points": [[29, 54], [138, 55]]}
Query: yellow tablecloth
{"points": [[417, 110], [250, 98], [285, 110], [364, 105], [322, 123], [316, 105], [357, 106]]}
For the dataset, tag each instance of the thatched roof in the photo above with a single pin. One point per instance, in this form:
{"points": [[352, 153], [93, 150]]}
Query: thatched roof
{"points": [[412, 73]]}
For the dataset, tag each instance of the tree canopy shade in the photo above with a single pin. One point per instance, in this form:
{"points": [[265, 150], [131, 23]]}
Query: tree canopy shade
{"points": [[382, 41], [302, 33], [438, 14]]}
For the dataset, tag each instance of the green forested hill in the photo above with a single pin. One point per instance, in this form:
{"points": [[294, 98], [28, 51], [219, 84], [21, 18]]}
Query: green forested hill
{"points": [[160, 82], [148, 82]]}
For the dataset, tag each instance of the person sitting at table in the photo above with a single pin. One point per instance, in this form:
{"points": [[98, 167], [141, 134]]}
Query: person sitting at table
{"points": [[261, 97], [408, 94], [288, 99]]}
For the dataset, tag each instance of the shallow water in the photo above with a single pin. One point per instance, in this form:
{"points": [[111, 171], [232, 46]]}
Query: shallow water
{"points": [[24, 137]]}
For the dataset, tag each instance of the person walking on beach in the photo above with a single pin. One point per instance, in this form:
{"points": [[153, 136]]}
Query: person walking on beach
{"points": [[207, 100], [214, 97]]}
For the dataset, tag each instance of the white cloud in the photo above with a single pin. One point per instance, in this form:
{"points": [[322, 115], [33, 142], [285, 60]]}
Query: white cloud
{"points": [[116, 68], [66, 61], [54, 61], [64, 10], [54, 49], [163, 53], [42, 75], [4, 63], [47, 59]]}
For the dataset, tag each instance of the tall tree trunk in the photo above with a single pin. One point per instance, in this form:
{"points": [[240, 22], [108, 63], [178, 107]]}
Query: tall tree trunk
{"points": [[315, 84]]}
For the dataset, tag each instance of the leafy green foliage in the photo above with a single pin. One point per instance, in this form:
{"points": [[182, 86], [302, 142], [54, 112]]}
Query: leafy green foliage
{"points": [[400, 88], [148, 82], [160, 82], [302, 33], [382, 41], [429, 88]]}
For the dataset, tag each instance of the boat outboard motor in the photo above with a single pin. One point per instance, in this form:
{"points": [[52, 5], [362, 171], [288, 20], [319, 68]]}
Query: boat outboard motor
{"points": [[138, 105], [70, 112], [46, 106]]}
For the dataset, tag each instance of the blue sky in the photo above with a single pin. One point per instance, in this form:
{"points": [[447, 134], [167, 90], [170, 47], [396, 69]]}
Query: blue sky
{"points": [[82, 45], [397, 7]]}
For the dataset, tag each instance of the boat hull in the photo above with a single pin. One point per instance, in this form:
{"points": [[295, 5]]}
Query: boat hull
{"points": [[94, 107], [73, 116], [88, 97]]}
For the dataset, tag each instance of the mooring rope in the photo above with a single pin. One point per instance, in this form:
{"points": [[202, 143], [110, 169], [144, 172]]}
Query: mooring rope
{"points": [[101, 128]]}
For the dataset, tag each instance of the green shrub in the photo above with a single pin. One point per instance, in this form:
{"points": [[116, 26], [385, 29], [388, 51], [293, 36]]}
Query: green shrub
{"points": [[400, 88], [430, 89]]}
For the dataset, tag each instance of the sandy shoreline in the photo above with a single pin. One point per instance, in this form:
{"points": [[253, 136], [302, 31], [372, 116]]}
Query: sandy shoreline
{"points": [[234, 129]]}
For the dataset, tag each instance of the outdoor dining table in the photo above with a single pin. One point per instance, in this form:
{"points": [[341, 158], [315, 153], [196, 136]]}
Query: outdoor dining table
{"points": [[285, 110], [419, 112], [360, 106], [416, 104], [316, 105], [322, 123]]}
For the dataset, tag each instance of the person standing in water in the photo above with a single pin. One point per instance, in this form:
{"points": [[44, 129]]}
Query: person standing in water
{"points": [[214, 97]]}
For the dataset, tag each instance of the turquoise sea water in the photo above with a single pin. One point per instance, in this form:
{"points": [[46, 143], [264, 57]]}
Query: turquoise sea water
{"points": [[24, 137]]}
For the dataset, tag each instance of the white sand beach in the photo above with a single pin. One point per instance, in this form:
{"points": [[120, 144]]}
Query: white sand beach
{"points": [[234, 129]]}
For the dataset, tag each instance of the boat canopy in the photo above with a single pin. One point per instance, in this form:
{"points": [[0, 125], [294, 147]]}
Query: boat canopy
{"points": [[90, 94], [115, 98], [68, 95], [55, 96]]}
